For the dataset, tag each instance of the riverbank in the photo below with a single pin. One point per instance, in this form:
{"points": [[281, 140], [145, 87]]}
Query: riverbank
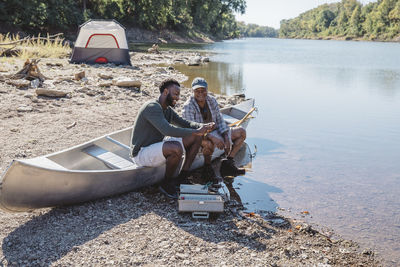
{"points": [[138, 228]]}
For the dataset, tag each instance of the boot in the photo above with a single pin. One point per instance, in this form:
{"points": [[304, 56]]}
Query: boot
{"points": [[228, 168], [209, 175]]}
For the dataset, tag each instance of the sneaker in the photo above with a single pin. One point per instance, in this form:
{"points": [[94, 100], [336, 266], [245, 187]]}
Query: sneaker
{"points": [[209, 175], [228, 168], [169, 190], [183, 178]]}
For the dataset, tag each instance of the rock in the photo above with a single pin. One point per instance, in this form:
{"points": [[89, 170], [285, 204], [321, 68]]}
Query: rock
{"points": [[79, 75], [161, 70], [195, 61], [28, 95], [127, 82], [105, 76], [24, 108], [50, 92], [105, 84], [84, 80], [367, 252], [35, 83], [205, 59], [49, 83], [19, 83], [50, 64]]}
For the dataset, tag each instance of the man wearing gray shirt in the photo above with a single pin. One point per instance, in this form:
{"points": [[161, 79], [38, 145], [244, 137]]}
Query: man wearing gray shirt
{"points": [[161, 136]]}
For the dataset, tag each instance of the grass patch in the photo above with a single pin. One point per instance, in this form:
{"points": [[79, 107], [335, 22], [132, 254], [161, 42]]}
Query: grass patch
{"points": [[35, 47]]}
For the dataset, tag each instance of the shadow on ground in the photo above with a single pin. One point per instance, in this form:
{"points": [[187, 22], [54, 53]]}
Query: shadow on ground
{"points": [[48, 237]]}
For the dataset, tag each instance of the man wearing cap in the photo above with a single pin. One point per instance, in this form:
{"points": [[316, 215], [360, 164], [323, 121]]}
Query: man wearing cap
{"points": [[161, 136], [203, 108]]}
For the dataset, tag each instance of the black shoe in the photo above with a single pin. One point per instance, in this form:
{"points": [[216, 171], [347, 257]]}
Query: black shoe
{"points": [[183, 178], [228, 168], [208, 174], [169, 190]]}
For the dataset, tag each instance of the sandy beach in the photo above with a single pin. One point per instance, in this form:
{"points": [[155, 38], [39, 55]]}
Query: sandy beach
{"points": [[137, 228]]}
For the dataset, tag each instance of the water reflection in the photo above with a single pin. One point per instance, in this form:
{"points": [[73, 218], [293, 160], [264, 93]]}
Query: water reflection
{"points": [[222, 78]]}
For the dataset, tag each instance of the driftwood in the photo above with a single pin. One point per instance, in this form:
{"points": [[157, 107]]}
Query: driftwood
{"points": [[19, 83], [8, 52], [71, 125], [127, 82], [50, 93], [154, 49], [28, 38], [30, 71]]}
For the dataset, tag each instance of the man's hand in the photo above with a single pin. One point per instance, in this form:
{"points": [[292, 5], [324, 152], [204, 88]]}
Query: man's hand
{"points": [[206, 128]]}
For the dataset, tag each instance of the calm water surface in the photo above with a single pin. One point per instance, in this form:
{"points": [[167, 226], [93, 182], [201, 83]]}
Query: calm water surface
{"points": [[327, 132]]}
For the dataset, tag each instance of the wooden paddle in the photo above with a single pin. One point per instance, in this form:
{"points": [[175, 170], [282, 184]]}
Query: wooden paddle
{"points": [[239, 122]]}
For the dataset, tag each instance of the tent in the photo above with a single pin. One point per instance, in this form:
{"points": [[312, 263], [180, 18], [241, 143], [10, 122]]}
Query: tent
{"points": [[101, 41]]}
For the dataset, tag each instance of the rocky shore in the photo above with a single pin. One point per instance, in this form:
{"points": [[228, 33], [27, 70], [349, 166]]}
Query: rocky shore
{"points": [[138, 228]]}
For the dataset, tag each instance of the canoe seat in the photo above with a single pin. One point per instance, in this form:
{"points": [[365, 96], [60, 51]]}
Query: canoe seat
{"points": [[110, 159], [229, 119]]}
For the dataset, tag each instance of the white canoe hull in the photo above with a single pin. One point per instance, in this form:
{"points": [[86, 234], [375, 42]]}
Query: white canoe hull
{"points": [[72, 176]]}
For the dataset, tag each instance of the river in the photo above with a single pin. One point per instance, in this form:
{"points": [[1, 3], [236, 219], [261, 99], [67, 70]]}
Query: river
{"points": [[327, 132]]}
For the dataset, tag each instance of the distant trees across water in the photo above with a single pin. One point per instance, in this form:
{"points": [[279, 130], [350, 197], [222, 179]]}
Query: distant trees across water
{"points": [[348, 19], [212, 17], [254, 30]]}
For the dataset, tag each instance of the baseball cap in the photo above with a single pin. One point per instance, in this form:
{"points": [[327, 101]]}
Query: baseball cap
{"points": [[199, 82]]}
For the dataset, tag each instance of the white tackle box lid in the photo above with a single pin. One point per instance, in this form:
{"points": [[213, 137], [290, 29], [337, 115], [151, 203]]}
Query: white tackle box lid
{"points": [[193, 189]]}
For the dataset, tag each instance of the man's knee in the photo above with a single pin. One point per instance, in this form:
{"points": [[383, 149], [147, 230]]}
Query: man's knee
{"points": [[242, 133], [192, 140], [208, 147], [239, 134], [172, 148]]}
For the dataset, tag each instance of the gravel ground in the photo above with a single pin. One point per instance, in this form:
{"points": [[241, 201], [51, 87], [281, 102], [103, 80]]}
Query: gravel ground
{"points": [[138, 228]]}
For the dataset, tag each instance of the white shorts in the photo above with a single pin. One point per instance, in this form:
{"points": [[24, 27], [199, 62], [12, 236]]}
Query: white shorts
{"points": [[152, 155]]}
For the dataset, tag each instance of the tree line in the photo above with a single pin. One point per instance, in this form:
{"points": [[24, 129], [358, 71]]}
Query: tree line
{"points": [[254, 30], [212, 17], [348, 19]]}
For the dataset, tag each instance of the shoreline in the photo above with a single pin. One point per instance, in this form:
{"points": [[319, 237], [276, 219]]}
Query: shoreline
{"points": [[137, 228]]}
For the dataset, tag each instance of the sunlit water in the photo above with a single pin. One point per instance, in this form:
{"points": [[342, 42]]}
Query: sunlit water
{"points": [[327, 132]]}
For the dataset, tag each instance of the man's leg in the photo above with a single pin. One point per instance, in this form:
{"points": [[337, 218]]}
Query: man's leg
{"points": [[172, 151], [192, 145], [238, 136], [208, 150], [228, 167], [208, 172]]}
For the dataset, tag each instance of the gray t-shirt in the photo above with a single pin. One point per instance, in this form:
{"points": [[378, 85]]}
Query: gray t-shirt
{"points": [[153, 124]]}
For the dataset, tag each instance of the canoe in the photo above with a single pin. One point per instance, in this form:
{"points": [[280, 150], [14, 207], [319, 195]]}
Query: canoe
{"points": [[95, 169]]}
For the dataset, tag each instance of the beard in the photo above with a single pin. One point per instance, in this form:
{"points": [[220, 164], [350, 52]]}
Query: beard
{"points": [[170, 101]]}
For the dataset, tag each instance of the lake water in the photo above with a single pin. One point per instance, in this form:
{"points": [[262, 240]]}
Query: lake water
{"points": [[327, 131]]}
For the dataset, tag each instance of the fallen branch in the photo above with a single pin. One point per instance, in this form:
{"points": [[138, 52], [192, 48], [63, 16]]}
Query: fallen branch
{"points": [[7, 52]]}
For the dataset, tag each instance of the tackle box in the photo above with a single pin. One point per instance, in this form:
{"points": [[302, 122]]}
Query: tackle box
{"points": [[196, 199]]}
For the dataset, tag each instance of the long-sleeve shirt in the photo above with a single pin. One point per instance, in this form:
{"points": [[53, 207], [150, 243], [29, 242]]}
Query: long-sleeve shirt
{"points": [[153, 123], [191, 112]]}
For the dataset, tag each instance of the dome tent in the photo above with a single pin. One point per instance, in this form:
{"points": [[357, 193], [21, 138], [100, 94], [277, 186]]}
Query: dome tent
{"points": [[101, 41]]}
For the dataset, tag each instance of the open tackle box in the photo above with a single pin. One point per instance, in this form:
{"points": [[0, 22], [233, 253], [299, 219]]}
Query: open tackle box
{"points": [[197, 200]]}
